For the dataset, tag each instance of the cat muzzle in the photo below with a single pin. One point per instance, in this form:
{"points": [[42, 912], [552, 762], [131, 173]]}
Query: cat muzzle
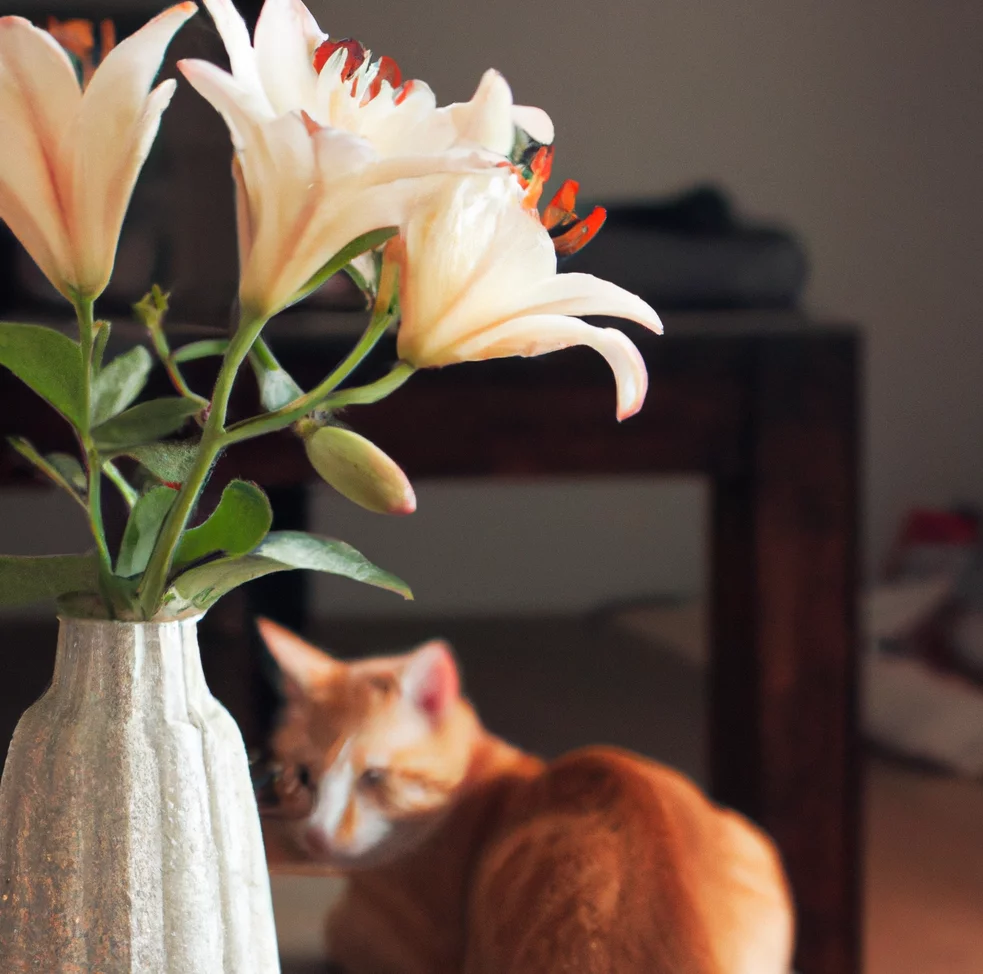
{"points": [[279, 793]]}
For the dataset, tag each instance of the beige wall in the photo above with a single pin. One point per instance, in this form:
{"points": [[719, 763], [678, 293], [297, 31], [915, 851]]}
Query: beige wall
{"points": [[857, 123]]}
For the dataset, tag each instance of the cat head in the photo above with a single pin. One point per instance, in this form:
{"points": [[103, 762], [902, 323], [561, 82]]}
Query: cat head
{"points": [[372, 751]]}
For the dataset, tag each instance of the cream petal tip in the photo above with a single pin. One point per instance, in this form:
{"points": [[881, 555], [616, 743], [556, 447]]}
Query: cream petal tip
{"points": [[164, 92], [535, 122], [631, 404], [180, 10], [630, 373]]}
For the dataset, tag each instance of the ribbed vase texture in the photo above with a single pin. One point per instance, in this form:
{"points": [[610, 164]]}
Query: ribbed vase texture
{"points": [[129, 837]]}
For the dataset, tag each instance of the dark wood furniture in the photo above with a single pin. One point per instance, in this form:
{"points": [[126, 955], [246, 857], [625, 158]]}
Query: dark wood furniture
{"points": [[766, 407]]}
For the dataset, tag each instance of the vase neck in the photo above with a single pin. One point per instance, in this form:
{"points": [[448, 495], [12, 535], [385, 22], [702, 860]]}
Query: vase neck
{"points": [[103, 661]]}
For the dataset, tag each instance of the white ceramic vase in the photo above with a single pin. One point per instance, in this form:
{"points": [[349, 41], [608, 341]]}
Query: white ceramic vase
{"points": [[129, 837]]}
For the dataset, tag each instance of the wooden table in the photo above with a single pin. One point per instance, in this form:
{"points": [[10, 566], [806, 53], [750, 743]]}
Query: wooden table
{"points": [[765, 406]]}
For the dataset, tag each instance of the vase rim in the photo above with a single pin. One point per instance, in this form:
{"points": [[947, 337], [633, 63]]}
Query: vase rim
{"points": [[127, 623]]}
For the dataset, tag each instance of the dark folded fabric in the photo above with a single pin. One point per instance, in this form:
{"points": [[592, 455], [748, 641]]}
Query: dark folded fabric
{"points": [[690, 252]]}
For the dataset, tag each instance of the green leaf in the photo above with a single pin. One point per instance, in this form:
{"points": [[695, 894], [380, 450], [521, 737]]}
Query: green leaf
{"points": [[60, 468], [119, 383], [170, 462], [70, 469], [202, 349], [144, 423], [296, 549], [239, 523], [25, 579], [276, 386], [199, 588], [49, 362], [142, 529], [101, 341], [129, 493]]}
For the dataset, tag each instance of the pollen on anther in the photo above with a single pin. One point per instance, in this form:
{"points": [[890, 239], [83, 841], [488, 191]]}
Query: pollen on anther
{"points": [[561, 210], [581, 233], [354, 57], [386, 70], [404, 92]]}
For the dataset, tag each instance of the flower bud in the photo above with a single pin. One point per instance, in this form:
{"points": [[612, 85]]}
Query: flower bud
{"points": [[360, 471]]}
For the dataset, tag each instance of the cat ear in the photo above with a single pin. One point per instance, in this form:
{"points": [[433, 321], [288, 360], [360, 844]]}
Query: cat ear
{"points": [[431, 679], [300, 663]]}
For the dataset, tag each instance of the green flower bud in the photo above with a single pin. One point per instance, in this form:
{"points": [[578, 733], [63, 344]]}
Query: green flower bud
{"points": [[360, 471]]}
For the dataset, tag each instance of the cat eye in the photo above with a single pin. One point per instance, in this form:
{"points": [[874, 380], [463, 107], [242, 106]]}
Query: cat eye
{"points": [[372, 778], [383, 682]]}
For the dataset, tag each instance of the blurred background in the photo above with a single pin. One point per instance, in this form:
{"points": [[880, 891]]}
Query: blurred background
{"points": [[806, 164]]}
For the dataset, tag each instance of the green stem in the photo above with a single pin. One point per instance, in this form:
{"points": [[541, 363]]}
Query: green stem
{"points": [[266, 357], [86, 319], [358, 396], [213, 441], [164, 353], [127, 492], [374, 391], [283, 417]]}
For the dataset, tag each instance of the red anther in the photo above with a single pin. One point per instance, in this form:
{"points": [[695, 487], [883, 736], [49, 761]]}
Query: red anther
{"points": [[353, 61], [386, 70], [404, 92], [562, 208], [581, 233], [541, 167], [542, 162]]}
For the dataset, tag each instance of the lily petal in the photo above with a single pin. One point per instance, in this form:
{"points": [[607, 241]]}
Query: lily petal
{"points": [[117, 111], [486, 120], [539, 334], [585, 294], [275, 160], [232, 100], [535, 122], [478, 280], [286, 37], [355, 193], [39, 96], [242, 58], [468, 236], [244, 222]]}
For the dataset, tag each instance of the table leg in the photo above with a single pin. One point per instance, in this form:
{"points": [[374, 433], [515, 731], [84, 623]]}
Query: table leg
{"points": [[785, 747]]}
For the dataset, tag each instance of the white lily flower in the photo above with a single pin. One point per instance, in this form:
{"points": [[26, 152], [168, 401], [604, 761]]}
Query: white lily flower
{"points": [[478, 281], [304, 191], [292, 66], [69, 158]]}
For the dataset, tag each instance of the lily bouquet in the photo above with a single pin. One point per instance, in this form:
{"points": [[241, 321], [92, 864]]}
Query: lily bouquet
{"points": [[340, 165]]}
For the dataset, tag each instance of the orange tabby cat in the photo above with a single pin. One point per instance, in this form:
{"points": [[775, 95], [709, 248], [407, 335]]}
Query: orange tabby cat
{"points": [[466, 856]]}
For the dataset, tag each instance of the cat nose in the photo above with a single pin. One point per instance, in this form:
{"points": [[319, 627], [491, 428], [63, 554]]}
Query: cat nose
{"points": [[317, 840]]}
